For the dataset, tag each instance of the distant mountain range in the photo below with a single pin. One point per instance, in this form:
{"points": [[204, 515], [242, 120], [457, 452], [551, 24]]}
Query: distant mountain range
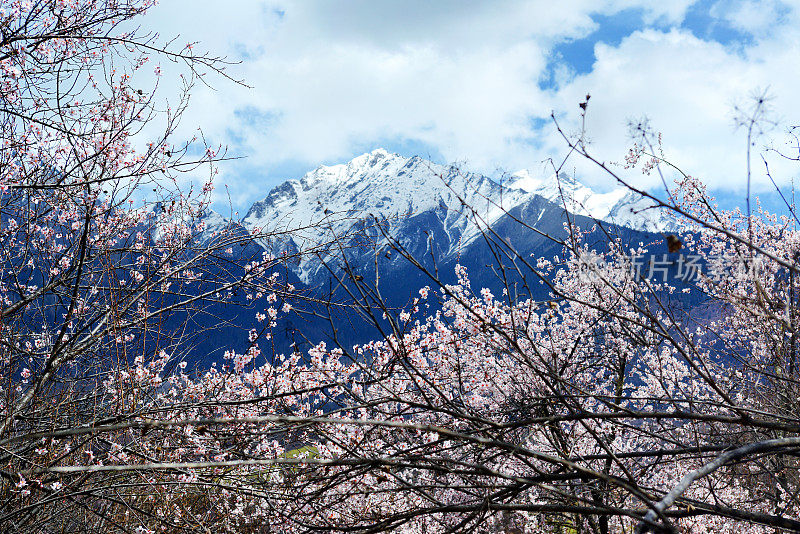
{"points": [[620, 206], [367, 211], [420, 202]]}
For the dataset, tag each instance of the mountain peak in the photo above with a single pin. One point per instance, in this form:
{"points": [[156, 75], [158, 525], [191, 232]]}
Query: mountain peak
{"points": [[331, 199], [344, 172], [619, 206], [380, 183], [373, 158], [381, 152]]}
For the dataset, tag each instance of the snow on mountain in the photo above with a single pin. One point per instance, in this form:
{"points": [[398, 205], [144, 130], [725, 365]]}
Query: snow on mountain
{"points": [[213, 224], [328, 201], [205, 224], [415, 198], [619, 206]]}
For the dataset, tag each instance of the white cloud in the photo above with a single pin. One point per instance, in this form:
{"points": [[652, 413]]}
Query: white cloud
{"points": [[689, 89], [462, 77], [751, 16]]}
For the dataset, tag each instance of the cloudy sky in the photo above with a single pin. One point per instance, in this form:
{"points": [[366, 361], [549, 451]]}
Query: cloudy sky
{"points": [[475, 82]]}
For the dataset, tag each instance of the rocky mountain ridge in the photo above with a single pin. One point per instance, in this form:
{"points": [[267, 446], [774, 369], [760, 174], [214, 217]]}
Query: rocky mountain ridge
{"points": [[403, 194]]}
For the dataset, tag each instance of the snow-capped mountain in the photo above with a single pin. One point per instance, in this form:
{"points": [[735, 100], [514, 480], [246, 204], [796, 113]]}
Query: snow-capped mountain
{"points": [[437, 213], [619, 206], [310, 213], [326, 203]]}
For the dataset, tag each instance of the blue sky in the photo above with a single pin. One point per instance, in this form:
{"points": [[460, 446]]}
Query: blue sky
{"points": [[475, 82]]}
